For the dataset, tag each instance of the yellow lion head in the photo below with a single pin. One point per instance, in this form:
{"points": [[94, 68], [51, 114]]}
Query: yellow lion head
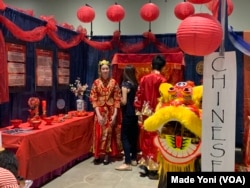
{"points": [[178, 120]]}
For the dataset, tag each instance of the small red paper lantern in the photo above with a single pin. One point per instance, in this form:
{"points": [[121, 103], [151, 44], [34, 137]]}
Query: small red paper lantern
{"points": [[149, 12], [183, 10], [199, 34], [199, 1], [230, 7], [213, 6], [86, 14], [115, 13]]}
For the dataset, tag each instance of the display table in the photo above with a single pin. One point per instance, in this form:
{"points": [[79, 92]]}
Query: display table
{"points": [[51, 149]]}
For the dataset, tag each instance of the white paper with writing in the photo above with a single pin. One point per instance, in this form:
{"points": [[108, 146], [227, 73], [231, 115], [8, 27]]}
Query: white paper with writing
{"points": [[219, 112]]}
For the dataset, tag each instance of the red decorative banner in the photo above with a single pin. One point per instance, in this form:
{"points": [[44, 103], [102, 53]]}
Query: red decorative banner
{"points": [[16, 58], [44, 74], [63, 70]]}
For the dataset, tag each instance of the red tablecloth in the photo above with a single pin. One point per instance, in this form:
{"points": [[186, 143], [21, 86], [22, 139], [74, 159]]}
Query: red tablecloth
{"points": [[52, 146]]}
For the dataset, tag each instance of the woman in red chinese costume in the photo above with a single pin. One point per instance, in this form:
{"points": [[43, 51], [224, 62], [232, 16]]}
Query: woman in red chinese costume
{"points": [[105, 97]]}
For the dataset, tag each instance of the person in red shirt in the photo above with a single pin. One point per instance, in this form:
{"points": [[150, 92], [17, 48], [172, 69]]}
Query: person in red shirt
{"points": [[145, 102]]}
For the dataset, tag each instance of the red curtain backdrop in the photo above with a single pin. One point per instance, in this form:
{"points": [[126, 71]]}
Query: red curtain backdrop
{"points": [[142, 62], [246, 105], [4, 87]]}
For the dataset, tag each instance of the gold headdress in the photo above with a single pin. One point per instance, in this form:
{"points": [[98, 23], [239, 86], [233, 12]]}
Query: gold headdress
{"points": [[103, 62]]}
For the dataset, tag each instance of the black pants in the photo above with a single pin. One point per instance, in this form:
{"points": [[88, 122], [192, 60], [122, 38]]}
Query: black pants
{"points": [[129, 137]]}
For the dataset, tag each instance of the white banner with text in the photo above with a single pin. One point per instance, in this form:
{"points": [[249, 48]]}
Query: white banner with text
{"points": [[219, 112]]}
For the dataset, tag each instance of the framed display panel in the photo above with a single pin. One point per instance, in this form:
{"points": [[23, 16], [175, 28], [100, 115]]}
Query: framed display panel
{"points": [[44, 69], [16, 62], [63, 69]]}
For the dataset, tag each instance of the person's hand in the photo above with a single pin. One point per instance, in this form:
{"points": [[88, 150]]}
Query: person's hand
{"points": [[113, 120], [140, 118], [100, 120]]}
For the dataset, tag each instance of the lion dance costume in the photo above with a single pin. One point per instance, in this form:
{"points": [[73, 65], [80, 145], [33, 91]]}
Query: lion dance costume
{"points": [[178, 120]]}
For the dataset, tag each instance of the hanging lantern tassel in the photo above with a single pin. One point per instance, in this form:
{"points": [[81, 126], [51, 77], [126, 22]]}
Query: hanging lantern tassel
{"points": [[91, 29], [149, 26]]}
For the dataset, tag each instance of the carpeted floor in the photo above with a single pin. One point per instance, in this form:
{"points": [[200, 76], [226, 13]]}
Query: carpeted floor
{"points": [[86, 174]]}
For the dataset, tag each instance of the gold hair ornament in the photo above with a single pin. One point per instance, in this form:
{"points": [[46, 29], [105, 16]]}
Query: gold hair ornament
{"points": [[103, 62]]}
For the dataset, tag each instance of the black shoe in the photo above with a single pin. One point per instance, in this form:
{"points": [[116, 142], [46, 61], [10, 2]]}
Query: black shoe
{"points": [[144, 172], [153, 175], [106, 160], [97, 161]]}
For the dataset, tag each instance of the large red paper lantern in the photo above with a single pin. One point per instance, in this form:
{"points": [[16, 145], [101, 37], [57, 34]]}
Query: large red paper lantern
{"points": [[183, 10], [199, 34], [199, 1], [115, 13], [86, 14], [149, 12]]}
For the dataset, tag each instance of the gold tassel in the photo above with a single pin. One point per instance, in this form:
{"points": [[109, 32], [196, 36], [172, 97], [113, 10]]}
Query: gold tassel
{"points": [[165, 166]]}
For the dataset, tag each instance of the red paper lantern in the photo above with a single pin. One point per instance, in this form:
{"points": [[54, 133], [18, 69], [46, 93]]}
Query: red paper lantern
{"points": [[149, 12], [213, 6], [199, 1], [115, 13], [86, 14], [230, 7], [199, 34], [183, 10]]}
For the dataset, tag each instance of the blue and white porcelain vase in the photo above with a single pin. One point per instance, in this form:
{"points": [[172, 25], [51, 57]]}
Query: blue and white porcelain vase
{"points": [[80, 104]]}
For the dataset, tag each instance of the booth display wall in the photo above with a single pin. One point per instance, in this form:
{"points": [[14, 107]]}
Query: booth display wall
{"points": [[84, 64]]}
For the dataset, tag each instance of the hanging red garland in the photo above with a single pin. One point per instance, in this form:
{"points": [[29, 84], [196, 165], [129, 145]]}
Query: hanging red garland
{"points": [[149, 12], [115, 13], [199, 1], [86, 14], [183, 10]]}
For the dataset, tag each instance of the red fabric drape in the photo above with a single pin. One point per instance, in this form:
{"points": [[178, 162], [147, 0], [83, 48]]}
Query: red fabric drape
{"points": [[4, 89], [34, 35], [50, 147], [50, 29], [246, 103]]}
